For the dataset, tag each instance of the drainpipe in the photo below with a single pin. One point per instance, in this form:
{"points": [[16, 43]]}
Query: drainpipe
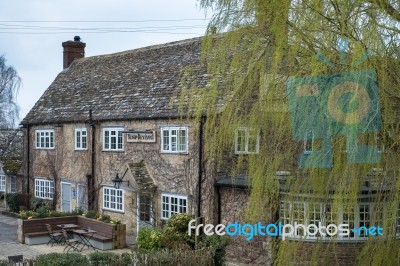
{"points": [[91, 187], [28, 157], [201, 164], [218, 206]]}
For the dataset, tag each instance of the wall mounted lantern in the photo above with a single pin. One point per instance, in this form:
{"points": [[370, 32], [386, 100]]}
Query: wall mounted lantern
{"points": [[117, 180]]}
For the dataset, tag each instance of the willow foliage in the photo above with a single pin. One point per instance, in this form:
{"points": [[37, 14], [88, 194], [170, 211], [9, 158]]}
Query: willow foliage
{"points": [[263, 49]]}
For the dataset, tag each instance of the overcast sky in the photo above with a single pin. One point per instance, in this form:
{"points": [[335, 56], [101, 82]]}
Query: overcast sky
{"points": [[34, 48]]}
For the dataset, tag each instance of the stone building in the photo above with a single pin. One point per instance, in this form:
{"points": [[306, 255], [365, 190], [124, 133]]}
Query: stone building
{"points": [[110, 115], [117, 116], [11, 149]]}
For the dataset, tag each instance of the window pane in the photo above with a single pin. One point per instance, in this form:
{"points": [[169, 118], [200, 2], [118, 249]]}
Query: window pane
{"points": [[174, 138], [106, 139], [83, 142], [241, 141], [165, 140], [182, 140], [120, 140], [252, 141]]}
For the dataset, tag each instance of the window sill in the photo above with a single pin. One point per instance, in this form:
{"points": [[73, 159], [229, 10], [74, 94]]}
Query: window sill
{"points": [[81, 149], [112, 210], [173, 152], [245, 153], [45, 148], [112, 150]]}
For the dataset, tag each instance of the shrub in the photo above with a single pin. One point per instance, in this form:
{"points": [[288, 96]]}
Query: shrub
{"points": [[13, 201], [91, 214], [150, 238], [172, 257], [115, 220], [77, 211], [217, 245], [106, 258], [176, 232], [42, 212], [36, 203], [6, 263], [104, 218], [61, 259]]}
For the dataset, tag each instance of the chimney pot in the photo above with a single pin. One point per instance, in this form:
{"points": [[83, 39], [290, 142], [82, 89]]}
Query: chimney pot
{"points": [[73, 49]]}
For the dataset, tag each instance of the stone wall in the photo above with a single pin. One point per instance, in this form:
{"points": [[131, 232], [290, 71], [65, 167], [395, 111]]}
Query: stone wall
{"points": [[233, 208], [324, 253], [170, 173]]}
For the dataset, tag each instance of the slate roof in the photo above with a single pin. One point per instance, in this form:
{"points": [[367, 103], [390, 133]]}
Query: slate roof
{"points": [[11, 149], [142, 177], [135, 84]]}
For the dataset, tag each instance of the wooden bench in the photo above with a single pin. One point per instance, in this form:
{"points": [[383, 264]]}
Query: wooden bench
{"points": [[104, 232], [35, 231]]}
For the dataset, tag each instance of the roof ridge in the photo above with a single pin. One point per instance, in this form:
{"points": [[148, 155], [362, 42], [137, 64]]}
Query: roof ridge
{"points": [[143, 49]]}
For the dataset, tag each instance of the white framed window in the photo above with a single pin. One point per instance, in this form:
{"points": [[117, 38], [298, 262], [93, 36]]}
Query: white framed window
{"points": [[308, 142], [3, 183], [306, 213], [172, 204], [247, 141], [80, 139], [44, 139], [174, 139], [112, 139], [13, 184], [44, 188], [113, 199]]}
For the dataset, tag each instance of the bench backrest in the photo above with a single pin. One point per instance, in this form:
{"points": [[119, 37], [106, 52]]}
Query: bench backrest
{"points": [[39, 225], [101, 228]]}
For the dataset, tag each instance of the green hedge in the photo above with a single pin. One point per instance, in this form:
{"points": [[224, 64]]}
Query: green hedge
{"points": [[78, 259], [175, 237], [61, 259]]}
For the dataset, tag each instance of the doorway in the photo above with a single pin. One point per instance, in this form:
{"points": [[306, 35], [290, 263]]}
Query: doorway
{"points": [[145, 211], [65, 196]]}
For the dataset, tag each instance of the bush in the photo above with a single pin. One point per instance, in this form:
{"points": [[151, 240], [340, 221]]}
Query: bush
{"points": [[36, 203], [13, 201], [176, 232], [91, 214], [42, 212], [217, 245], [150, 238], [61, 259], [77, 211], [106, 258], [104, 218], [6, 263], [171, 257]]}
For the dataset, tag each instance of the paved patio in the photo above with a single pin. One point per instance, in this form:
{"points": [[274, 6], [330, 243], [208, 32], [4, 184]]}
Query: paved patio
{"points": [[10, 247]]}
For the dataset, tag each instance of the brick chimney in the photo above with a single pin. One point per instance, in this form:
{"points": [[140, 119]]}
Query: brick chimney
{"points": [[73, 49]]}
